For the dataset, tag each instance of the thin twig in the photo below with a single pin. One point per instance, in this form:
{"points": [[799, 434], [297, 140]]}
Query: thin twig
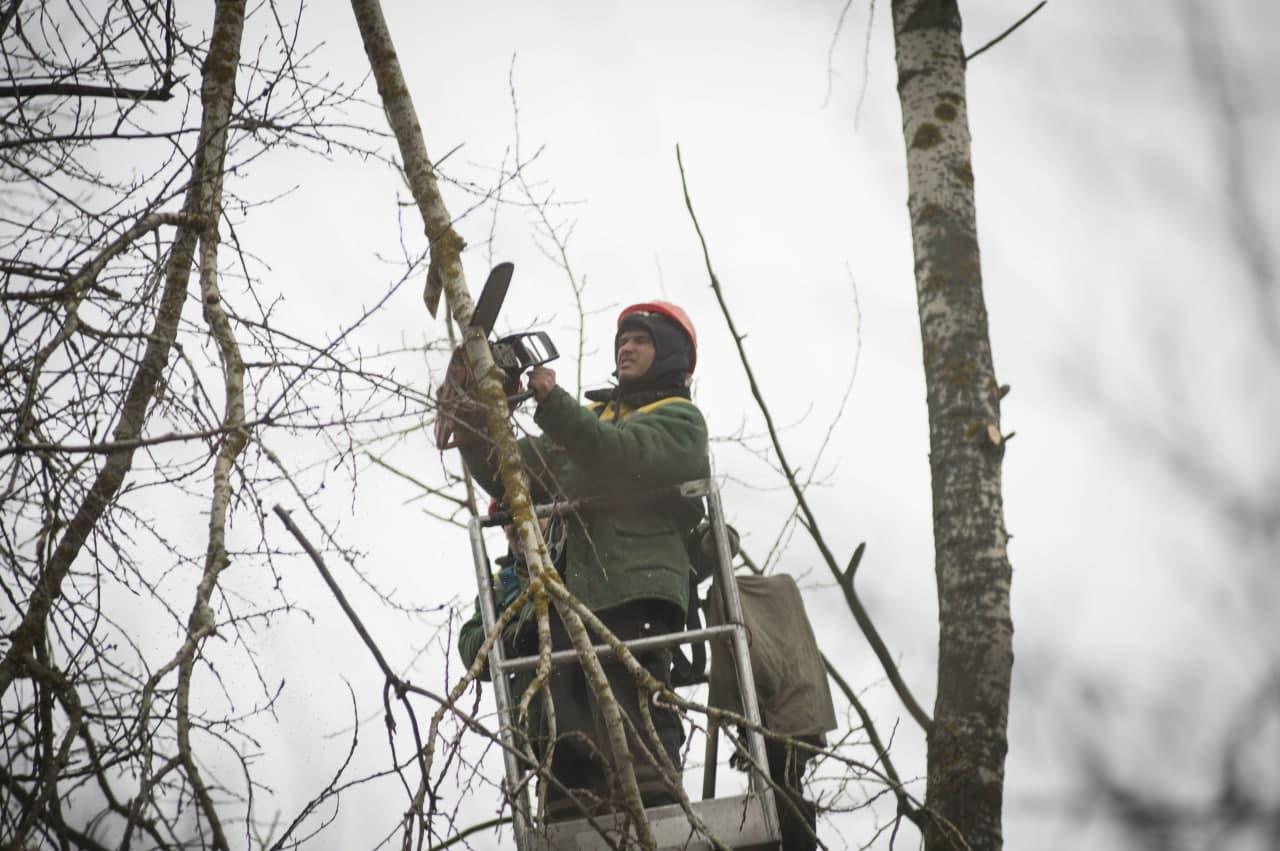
{"points": [[347, 609], [111, 447], [904, 802], [1006, 33], [831, 51], [30, 90], [866, 65], [844, 579], [475, 828]]}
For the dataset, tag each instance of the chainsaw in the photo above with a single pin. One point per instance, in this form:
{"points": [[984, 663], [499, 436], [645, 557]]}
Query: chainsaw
{"points": [[514, 354]]}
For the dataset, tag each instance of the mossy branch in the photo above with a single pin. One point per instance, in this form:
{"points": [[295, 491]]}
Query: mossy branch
{"points": [[446, 275]]}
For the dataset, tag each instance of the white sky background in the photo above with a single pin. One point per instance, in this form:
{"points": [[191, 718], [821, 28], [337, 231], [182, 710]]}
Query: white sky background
{"points": [[1106, 262]]}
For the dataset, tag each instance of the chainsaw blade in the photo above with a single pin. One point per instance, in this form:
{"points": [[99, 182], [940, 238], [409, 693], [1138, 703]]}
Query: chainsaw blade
{"points": [[491, 297]]}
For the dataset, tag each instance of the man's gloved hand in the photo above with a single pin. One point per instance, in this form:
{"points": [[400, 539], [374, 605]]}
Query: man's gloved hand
{"points": [[701, 545], [459, 418], [520, 637], [542, 380]]}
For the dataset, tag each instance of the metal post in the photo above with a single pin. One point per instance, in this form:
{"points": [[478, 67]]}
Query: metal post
{"points": [[501, 689], [709, 760], [742, 657]]}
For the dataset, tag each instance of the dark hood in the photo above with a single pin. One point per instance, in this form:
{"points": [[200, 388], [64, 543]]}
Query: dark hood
{"points": [[635, 398], [672, 352]]}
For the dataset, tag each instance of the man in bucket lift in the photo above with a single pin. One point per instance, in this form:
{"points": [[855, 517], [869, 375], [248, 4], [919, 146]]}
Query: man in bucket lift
{"points": [[624, 555]]}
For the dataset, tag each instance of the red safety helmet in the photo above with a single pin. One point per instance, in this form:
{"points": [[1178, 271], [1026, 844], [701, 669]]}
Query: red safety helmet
{"points": [[673, 312]]}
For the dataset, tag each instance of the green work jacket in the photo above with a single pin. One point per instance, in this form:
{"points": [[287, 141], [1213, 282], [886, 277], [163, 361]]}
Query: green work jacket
{"points": [[632, 546]]}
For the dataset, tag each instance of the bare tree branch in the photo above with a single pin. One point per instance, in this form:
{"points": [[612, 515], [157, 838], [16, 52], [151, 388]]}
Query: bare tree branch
{"points": [[811, 524], [1006, 33]]}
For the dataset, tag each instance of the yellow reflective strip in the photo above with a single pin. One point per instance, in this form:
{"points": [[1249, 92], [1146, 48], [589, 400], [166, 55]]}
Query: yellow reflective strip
{"points": [[609, 414], [611, 410], [662, 403]]}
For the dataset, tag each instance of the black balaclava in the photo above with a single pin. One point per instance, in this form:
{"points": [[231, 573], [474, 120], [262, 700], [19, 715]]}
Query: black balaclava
{"points": [[671, 356]]}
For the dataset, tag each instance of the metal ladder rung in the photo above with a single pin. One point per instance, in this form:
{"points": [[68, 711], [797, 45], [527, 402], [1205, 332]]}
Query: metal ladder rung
{"points": [[635, 645]]}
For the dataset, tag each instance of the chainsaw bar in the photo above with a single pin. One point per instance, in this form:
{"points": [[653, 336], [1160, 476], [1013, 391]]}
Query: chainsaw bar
{"points": [[491, 297]]}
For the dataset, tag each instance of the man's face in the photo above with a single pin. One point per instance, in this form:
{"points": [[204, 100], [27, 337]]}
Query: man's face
{"points": [[635, 354]]}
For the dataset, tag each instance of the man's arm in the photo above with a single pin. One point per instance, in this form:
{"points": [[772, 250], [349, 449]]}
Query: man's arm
{"points": [[481, 463], [663, 446]]}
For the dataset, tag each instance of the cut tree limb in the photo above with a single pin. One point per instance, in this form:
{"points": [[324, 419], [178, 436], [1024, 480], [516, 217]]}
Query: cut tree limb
{"points": [[446, 275]]}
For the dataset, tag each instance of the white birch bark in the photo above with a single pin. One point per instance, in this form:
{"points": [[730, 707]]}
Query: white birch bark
{"points": [[967, 740]]}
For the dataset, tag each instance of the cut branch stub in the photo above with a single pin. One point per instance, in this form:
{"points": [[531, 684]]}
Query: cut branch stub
{"points": [[854, 561]]}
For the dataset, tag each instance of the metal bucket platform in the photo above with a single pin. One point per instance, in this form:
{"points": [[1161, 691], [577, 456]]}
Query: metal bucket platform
{"points": [[743, 822]]}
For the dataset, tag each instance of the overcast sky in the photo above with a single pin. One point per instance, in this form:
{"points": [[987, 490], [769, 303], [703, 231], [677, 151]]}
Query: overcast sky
{"points": [[1120, 311]]}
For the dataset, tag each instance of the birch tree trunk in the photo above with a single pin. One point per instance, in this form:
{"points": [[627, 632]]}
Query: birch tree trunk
{"points": [[967, 740]]}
